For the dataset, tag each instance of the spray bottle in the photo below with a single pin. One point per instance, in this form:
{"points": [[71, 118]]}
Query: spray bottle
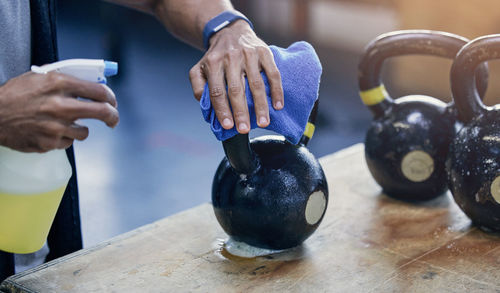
{"points": [[32, 184]]}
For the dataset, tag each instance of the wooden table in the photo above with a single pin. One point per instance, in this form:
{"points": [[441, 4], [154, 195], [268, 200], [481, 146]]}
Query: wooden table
{"points": [[366, 243]]}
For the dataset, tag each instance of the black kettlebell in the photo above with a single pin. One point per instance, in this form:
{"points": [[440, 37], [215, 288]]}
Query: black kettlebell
{"points": [[474, 160], [408, 140], [268, 192]]}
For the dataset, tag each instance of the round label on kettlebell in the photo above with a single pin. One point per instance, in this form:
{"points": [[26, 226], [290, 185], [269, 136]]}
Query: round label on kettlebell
{"points": [[417, 166], [315, 207], [495, 189]]}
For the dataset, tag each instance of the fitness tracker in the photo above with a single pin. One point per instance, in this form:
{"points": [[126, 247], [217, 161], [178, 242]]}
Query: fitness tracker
{"points": [[219, 22]]}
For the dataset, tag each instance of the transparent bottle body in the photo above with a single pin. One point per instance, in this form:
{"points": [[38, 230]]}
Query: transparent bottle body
{"points": [[31, 189]]}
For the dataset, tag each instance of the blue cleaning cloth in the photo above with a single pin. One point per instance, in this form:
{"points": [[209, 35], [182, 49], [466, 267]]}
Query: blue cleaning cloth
{"points": [[300, 70]]}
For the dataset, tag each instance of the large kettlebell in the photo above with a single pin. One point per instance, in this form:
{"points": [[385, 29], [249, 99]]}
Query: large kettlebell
{"points": [[408, 140], [269, 193], [474, 160]]}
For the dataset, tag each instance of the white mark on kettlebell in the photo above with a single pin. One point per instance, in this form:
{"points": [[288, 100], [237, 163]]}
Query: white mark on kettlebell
{"points": [[495, 189], [417, 166], [315, 207]]}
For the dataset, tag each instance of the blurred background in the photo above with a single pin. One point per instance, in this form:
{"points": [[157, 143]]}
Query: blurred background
{"points": [[161, 158]]}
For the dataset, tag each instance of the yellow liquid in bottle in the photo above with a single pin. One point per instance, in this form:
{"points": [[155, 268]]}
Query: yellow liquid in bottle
{"points": [[25, 219]]}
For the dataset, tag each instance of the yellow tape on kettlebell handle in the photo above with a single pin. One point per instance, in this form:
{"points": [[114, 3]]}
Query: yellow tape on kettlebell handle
{"points": [[309, 132], [373, 96]]}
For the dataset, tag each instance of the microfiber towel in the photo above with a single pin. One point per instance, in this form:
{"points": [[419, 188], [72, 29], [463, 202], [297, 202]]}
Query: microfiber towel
{"points": [[300, 70]]}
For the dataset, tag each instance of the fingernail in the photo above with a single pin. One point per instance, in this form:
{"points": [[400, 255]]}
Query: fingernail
{"points": [[226, 122], [279, 105], [243, 126], [262, 120]]}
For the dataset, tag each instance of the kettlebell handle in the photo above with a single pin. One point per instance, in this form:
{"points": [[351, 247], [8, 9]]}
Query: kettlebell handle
{"points": [[405, 42], [462, 75], [239, 152]]}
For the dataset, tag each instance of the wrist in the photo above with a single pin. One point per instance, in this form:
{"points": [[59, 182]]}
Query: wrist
{"points": [[239, 28], [222, 21]]}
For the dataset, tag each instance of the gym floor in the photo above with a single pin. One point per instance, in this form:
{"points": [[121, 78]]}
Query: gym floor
{"points": [[161, 158]]}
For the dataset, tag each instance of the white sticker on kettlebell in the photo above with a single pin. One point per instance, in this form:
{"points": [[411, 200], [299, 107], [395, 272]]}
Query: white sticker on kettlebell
{"points": [[495, 189], [417, 166], [315, 207]]}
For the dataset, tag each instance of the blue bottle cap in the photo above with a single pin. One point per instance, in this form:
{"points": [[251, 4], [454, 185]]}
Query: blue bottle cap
{"points": [[110, 68]]}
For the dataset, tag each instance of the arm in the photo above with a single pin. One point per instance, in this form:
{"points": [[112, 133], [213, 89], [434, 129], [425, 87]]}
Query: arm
{"points": [[234, 52]]}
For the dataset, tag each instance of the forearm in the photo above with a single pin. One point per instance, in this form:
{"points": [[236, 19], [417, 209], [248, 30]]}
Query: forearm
{"points": [[183, 18]]}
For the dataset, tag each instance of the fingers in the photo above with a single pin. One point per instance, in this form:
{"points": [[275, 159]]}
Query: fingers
{"points": [[76, 109], [102, 105], [80, 88], [198, 81], [58, 135], [274, 77], [251, 59], [236, 91], [72, 132], [71, 109], [38, 111], [214, 71], [257, 87], [76, 131], [64, 143], [48, 143]]}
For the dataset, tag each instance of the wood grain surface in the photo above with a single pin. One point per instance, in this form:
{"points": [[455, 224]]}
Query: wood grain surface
{"points": [[366, 243]]}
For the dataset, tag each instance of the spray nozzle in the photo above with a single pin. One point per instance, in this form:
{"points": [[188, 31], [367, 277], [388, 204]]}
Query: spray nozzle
{"points": [[110, 68]]}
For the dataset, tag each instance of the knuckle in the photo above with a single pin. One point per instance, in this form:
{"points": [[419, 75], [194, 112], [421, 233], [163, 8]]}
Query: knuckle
{"points": [[257, 84], [102, 111], [274, 74], [45, 108], [48, 144], [239, 115], [56, 80], [248, 51], [56, 129], [109, 115], [52, 129], [222, 113], [104, 91], [213, 58], [260, 104], [193, 72], [84, 134], [277, 90], [66, 144], [263, 50], [234, 89], [198, 93], [114, 116], [58, 103], [217, 92], [53, 106], [233, 54], [107, 112]]}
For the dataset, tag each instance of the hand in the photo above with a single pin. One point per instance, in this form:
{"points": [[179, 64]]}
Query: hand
{"points": [[234, 52], [38, 111]]}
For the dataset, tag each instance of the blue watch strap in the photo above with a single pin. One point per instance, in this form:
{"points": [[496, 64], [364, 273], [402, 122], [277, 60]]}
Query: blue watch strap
{"points": [[219, 22]]}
